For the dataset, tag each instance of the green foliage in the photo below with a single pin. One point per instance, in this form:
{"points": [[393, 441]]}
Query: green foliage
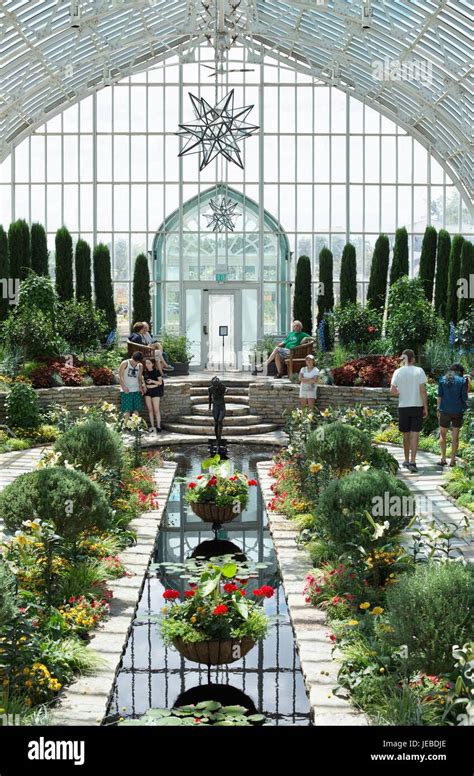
{"points": [[86, 577], [64, 279], [8, 606], [19, 249], [22, 406], [4, 275], [348, 276], [37, 292], [377, 288], [344, 504], [176, 346], [442, 272], [31, 333], [302, 300], [412, 320], [67, 498], [465, 332], [380, 458], [104, 294], [81, 325], [428, 261], [207, 713], [400, 263], [466, 302], [453, 277], [141, 290], [430, 610], [82, 259], [89, 444], [357, 325], [39, 250], [326, 297], [338, 445], [437, 355]]}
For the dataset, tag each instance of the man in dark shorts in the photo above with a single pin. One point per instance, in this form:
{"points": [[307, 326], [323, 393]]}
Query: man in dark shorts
{"points": [[452, 404], [409, 384], [216, 392]]}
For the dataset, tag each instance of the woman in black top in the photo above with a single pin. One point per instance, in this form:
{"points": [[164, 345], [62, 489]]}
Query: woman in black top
{"points": [[154, 391]]}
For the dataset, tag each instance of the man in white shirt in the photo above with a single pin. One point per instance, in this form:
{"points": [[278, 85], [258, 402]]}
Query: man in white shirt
{"points": [[409, 384]]}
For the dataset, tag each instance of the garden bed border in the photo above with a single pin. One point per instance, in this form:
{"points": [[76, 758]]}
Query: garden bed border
{"points": [[314, 647]]}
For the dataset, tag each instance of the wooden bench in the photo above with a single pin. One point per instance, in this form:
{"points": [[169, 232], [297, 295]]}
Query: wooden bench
{"points": [[133, 347]]}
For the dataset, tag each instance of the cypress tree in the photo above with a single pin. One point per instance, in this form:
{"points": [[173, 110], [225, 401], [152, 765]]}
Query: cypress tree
{"points": [[442, 269], [302, 300], [377, 289], [64, 279], [326, 298], [453, 277], [400, 264], [467, 274], [104, 294], [4, 275], [141, 290], [19, 249], [348, 276], [428, 261], [82, 259], [39, 250]]}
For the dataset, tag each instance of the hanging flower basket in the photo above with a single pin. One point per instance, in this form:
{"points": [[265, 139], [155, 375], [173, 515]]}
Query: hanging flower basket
{"points": [[214, 653], [212, 513]]}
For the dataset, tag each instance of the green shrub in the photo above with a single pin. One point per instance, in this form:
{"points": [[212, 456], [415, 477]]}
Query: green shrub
{"points": [[22, 406], [357, 325], [430, 610], [81, 325], [454, 273], [377, 288], [442, 270], [412, 320], [141, 290], [342, 505], [339, 445], [88, 444], [82, 261], [4, 274], [104, 294], [428, 261], [67, 498], [348, 276], [39, 250], [326, 297], [64, 254], [30, 333], [8, 606], [400, 262], [176, 346], [19, 248], [302, 301], [380, 458], [37, 291]]}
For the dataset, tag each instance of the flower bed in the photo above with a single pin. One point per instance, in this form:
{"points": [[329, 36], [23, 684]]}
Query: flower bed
{"points": [[370, 371], [68, 523], [384, 599]]}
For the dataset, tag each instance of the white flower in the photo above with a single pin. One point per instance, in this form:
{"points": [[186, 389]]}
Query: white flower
{"points": [[380, 529]]}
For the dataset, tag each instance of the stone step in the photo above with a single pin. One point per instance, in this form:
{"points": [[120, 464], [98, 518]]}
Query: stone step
{"points": [[229, 420], [235, 390], [230, 398], [230, 408], [208, 431]]}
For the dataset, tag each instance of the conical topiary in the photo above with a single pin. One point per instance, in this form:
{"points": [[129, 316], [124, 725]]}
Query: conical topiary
{"points": [[302, 300], [104, 295], [442, 270], [400, 262], [348, 277], [428, 261]]}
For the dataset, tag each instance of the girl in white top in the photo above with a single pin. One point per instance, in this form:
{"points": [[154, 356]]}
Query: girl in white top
{"points": [[308, 379]]}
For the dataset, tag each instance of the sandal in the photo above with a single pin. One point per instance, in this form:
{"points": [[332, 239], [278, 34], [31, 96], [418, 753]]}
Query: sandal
{"points": [[452, 464], [443, 462]]}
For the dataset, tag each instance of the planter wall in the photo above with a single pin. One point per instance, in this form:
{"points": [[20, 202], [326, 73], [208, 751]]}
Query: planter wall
{"points": [[174, 403]]}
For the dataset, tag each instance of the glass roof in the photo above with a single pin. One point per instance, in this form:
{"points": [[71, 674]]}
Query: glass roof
{"points": [[413, 62]]}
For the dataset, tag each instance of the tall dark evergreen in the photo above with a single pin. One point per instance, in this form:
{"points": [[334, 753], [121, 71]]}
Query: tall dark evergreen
{"points": [[326, 285], [466, 288], [454, 273], [400, 262], [141, 290], [428, 261], [4, 275], [442, 271], [104, 293], [82, 260], [64, 278], [302, 300], [19, 249], [39, 250], [348, 277], [377, 289]]}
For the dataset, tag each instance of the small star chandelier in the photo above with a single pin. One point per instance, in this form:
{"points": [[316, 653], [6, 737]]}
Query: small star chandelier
{"points": [[217, 130], [222, 215]]}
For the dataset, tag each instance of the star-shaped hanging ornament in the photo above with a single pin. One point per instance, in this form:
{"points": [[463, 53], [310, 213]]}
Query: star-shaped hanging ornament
{"points": [[223, 213], [217, 130]]}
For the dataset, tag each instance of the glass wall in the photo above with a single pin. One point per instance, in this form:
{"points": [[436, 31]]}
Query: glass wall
{"points": [[325, 166]]}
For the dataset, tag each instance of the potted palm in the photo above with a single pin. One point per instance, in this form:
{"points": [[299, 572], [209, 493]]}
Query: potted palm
{"points": [[218, 495], [215, 623]]}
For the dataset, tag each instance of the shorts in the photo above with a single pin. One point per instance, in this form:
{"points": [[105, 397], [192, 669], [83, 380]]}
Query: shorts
{"points": [[283, 352], [218, 412], [307, 391], [129, 402], [410, 419], [157, 391], [448, 419]]}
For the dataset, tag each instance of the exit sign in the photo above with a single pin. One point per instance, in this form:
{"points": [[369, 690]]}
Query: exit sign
{"points": [[221, 277]]}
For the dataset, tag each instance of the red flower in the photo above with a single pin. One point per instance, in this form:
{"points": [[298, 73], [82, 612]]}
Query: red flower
{"points": [[192, 485], [212, 481], [189, 593], [332, 637], [171, 595], [233, 478], [264, 591], [229, 587], [72, 600], [336, 599], [252, 482], [192, 584], [243, 592], [199, 477], [371, 329], [22, 609], [221, 609]]}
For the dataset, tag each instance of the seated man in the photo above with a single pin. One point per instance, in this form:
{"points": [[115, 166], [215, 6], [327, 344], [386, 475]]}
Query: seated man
{"points": [[282, 350]]}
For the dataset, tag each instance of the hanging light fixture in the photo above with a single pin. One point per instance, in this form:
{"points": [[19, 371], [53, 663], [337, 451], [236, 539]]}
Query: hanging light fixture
{"points": [[222, 215]]}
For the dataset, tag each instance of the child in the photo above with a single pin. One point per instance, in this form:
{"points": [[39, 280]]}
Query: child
{"points": [[308, 378]]}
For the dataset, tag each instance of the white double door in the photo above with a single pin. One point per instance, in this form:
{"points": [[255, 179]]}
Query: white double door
{"points": [[221, 340]]}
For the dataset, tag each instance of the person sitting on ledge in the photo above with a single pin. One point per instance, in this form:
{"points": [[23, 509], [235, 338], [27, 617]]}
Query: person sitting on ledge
{"points": [[138, 334], [160, 355], [282, 350]]}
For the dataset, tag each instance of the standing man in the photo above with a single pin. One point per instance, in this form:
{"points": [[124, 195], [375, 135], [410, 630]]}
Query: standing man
{"points": [[409, 384], [132, 387]]}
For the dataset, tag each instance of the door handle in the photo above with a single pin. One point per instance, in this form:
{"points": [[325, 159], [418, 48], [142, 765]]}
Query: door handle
{"points": [[204, 329]]}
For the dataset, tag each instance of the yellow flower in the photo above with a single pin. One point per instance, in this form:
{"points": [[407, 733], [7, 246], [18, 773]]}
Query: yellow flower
{"points": [[353, 622], [377, 610], [315, 468], [193, 619], [365, 605], [326, 413], [164, 610], [382, 670]]}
